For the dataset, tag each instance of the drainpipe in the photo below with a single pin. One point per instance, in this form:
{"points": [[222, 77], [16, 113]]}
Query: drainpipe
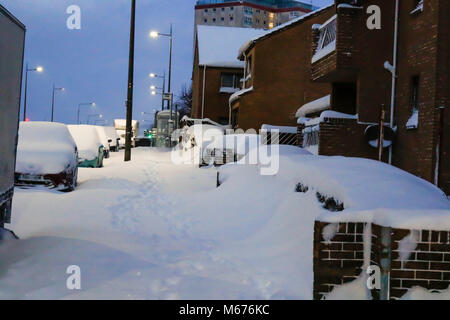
{"points": [[203, 94], [393, 70]]}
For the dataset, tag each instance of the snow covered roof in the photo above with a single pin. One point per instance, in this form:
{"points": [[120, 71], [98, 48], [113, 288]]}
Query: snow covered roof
{"points": [[314, 106], [218, 46], [252, 41]]}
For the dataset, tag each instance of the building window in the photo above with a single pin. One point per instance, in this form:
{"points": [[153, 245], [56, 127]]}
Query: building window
{"points": [[222, 19], [214, 9], [231, 18], [206, 10], [248, 11], [214, 19], [248, 21], [223, 9], [294, 14], [230, 80], [264, 22], [415, 81], [231, 8], [206, 20]]}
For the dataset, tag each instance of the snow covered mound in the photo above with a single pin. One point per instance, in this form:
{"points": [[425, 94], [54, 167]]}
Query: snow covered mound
{"points": [[363, 184], [44, 148], [87, 139]]}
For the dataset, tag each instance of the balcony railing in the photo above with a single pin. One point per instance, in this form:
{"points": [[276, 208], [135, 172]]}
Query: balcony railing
{"points": [[327, 39]]}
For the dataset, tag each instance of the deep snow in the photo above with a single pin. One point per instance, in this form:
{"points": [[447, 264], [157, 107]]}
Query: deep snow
{"points": [[150, 229]]}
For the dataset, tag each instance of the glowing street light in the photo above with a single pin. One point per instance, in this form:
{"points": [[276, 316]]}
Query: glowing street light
{"points": [[38, 69], [84, 104], [163, 77], [100, 116]]}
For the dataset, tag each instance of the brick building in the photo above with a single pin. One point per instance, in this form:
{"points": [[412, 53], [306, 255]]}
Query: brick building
{"points": [[357, 62], [277, 75], [264, 14], [340, 260], [217, 72]]}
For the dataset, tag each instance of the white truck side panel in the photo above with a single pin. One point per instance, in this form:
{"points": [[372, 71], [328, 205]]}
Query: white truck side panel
{"points": [[12, 37]]}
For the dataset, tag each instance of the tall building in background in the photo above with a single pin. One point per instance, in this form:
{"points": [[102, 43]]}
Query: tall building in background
{"points": [[261, 14]]}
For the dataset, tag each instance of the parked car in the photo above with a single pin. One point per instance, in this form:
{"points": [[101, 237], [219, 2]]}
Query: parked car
{"points": [[46, 155], [12, 39], [105, 141], [113, 138], [90, 147]]}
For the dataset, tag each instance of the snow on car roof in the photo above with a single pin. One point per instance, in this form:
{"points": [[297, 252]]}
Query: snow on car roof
{"points": [[44, 148], [102, 135], [87, 139], [219, 46]]}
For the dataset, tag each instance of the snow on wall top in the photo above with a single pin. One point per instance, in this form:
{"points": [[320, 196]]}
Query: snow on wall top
{"points": [[218, 46], [313, 107], [44, 148], [247, 44], [371, 191]]}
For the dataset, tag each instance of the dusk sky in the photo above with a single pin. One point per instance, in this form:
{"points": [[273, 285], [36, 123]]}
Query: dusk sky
{"points": [[92, 63]]}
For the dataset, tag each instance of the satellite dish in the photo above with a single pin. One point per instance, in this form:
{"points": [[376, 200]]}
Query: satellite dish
{"points": [[372, 135]]}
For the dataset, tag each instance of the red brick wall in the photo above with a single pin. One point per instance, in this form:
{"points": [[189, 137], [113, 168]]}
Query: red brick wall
{"points": [[340, 260], [424, 50], [282, 76], [345, 137], [428, 266]]}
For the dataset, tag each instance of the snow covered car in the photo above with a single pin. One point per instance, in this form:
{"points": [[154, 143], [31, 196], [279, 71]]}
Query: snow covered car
{"points": [[105, 141], [90, 147], [113, 138], [46, 155]]}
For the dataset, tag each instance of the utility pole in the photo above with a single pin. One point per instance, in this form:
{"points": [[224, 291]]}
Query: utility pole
{"points": [[130, 84]]}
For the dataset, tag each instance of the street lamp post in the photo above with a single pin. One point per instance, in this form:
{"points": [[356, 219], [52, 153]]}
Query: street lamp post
{"points": [[83, 104], [93, 115], [38, 69], [152, 75], [155, 34], [53, 99]]}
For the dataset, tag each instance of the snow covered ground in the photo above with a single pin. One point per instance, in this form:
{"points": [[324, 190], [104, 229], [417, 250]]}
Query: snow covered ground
{"points": [[149, 229]]}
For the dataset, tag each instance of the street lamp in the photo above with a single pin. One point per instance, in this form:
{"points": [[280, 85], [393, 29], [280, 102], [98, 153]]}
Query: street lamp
{"points": [[37, 69], [53, 99], [156, 34], [83, 104], [93, 115], [163, 77]]}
